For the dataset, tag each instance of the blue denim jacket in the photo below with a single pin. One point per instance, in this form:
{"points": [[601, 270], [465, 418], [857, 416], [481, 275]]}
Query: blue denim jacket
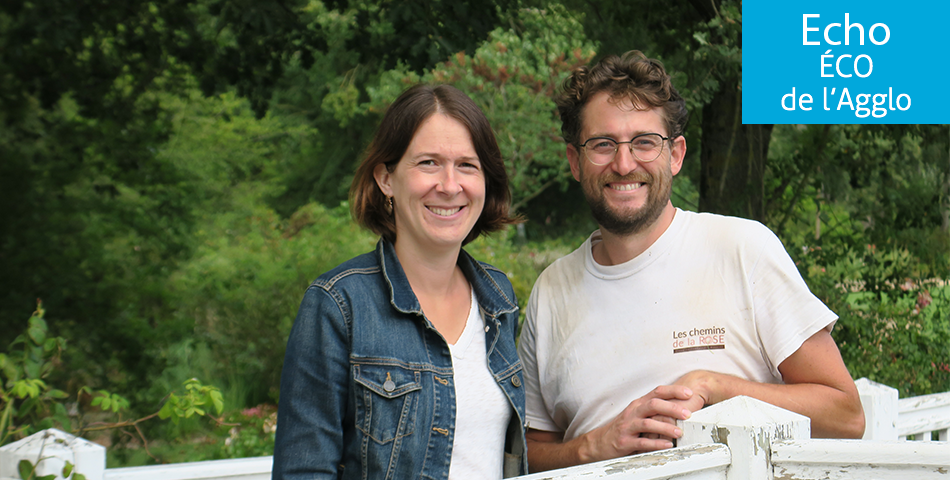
{"points": [[366, 390]]}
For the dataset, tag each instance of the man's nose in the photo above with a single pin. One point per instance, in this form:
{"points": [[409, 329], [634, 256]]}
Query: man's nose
{"points": [[624, 160]]}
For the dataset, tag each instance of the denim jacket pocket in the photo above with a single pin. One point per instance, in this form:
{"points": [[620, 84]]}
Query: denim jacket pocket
{"points": [[386, 401]]}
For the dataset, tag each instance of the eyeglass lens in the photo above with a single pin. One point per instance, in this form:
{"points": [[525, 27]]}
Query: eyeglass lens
{"points": [[646, 148]]}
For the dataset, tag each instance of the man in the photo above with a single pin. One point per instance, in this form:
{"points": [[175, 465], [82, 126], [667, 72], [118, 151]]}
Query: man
{"points": [[705, 306]]}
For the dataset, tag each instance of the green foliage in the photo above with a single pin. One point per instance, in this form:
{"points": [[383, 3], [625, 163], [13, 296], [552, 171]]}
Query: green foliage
{"points": [[27, 471], [512, 77], [716, 55], [522, 263], [175, 231], [363, 39], [251, 249], [419, 33], [893, 328], [27, 402], [110, 401], [254, 434], [197, 399], [863, 184]]}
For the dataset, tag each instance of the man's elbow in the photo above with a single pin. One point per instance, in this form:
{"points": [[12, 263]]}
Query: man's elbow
{"points": [[855, 422], [845, 424], [855, 426]]}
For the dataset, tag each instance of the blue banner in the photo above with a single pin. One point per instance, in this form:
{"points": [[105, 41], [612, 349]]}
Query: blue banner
{"points": [[841, 61]]}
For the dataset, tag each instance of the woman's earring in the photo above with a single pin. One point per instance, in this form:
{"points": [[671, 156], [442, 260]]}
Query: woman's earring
{"points": [[389, 207]]}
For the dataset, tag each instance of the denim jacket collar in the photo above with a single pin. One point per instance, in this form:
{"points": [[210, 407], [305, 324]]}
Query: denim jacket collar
{"points": [[491, 298]]}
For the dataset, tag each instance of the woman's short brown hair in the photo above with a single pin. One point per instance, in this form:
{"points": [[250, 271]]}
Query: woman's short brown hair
{"points": [[392, 138], [632, 77]]}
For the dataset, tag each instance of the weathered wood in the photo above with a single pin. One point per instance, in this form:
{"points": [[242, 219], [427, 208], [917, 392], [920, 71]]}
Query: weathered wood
{"points": [[256, 468], [697, 462], [924, 414], [49, 450], [880, 410], [748, 426], [739, 439], [822, 459]]}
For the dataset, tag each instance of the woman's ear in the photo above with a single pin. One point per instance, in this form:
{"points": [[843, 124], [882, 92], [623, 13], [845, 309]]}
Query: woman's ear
{"points": [[383, 179]]}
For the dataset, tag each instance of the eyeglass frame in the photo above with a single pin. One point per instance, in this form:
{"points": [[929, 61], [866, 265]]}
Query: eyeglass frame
{"points": [[630, 147]]}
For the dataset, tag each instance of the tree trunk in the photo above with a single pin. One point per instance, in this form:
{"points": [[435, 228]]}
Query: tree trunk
{"points": [[732, 158]]}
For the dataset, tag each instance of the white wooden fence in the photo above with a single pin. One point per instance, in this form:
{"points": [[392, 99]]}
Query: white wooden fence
{"points": [[740, 439]]}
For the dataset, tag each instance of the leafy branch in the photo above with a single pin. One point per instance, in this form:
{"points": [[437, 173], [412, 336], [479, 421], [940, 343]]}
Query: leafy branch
{"points": [[28, 403]]}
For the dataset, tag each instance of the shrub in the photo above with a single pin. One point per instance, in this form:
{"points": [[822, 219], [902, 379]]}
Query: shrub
{"points": [[242, 288], [893, 326]]}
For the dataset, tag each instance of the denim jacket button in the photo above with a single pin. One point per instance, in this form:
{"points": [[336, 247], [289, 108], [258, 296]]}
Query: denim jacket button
{"points": [[516, 381]]}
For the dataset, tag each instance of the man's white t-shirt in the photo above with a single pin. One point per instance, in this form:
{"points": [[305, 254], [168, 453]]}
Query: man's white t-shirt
{"points": [[712, 293]]}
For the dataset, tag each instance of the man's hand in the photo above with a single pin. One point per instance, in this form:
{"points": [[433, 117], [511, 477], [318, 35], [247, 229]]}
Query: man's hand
{"points": [[626, 434], [817, 385], [693, 404], [705, 384]]}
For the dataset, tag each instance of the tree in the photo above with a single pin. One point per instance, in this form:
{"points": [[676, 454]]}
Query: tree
{"points": [[94, 219], [365, 39], [512, 76], [733, 155]]}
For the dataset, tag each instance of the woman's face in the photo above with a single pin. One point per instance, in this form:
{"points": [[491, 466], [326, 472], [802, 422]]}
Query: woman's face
{"points": [[438, 186]]}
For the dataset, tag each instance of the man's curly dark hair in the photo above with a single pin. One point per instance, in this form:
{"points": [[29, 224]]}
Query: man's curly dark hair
{"points": [[634, 77]]}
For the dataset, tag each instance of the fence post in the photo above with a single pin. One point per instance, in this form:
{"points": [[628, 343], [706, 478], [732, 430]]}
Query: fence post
{"points": [[880, 410], [48, 451], [748, 426]]}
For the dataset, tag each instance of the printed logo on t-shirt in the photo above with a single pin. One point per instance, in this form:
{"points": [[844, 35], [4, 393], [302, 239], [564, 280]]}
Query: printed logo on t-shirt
{"points": [[705, 338]]}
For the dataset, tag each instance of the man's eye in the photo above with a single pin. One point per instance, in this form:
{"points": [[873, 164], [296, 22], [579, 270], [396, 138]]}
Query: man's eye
{"points": [[604, 145]]}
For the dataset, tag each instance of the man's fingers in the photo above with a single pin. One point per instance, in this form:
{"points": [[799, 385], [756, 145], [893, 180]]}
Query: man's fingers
{"points": [[664, 418], [657, 406], [660, 428], [650, 445], [672, 392]]}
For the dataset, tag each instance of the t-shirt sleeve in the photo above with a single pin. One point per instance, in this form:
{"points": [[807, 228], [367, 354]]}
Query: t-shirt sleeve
{"points": [[786, 312], [536, 413]]}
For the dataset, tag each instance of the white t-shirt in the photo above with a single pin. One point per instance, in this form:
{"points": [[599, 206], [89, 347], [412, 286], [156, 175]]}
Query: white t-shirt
{"points": [[713, 292], [482, 409]]}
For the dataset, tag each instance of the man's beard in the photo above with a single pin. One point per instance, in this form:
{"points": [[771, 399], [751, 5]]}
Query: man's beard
{"points": [[627, 222]]}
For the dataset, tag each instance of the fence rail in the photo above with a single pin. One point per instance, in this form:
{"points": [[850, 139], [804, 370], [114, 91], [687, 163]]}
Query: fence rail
{"points": [[851, 459], [919, 416], [256, 468], [739, 439]]}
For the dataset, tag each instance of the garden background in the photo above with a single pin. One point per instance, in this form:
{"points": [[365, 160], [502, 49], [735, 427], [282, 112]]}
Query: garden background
{"points": [[173, 174]]}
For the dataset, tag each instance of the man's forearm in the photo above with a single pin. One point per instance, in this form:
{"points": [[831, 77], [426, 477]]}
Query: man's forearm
{"points": [[834, 412], [817, 385], [546, 451]]}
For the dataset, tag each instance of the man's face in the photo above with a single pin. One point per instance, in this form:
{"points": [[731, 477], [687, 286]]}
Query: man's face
{"points": [[627, 195]]}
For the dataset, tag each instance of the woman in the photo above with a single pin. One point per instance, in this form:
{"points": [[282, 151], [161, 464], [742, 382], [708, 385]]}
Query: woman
{"points": [[402, 362]]}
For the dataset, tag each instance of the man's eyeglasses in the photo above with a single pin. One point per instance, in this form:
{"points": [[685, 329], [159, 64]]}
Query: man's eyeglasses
{"points": [[602, 150]]}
